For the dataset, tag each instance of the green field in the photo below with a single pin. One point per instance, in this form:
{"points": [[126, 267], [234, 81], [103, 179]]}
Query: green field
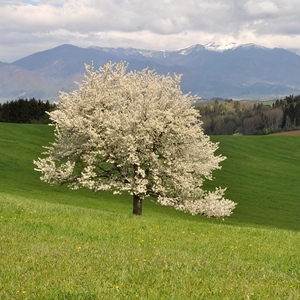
{"points": [[61, 244]]}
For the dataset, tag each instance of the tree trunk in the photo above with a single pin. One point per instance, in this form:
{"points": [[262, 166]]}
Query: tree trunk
{"points": [[137, 205]]}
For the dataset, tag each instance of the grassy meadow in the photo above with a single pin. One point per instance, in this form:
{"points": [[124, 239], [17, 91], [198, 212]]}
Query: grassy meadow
{"points": [[61, 244]]}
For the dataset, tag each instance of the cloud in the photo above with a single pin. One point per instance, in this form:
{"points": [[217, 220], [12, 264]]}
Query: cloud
{"points": [[157, 16], [33, 25], [259, 8]]}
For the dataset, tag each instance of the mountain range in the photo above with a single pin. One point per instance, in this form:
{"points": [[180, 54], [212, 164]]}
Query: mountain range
{"points": [[228, 71]]}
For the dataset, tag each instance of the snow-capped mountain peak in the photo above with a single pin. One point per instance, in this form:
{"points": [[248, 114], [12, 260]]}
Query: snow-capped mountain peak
{"points": [[194, 48], [250, 45], [220, 47]]}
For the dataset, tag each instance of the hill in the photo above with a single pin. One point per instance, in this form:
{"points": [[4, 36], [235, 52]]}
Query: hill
{"points": [[61, 244], [261, 174], [241, 72]]}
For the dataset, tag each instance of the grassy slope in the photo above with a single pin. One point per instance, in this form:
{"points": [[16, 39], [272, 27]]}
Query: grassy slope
{"points": [[20, 144], [52, 251], [93, 248], [262, 176]]}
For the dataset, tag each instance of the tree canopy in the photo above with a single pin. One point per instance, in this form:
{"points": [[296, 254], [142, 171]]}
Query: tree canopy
{"points": [[134, 132], [25, 111], [251, 117]]}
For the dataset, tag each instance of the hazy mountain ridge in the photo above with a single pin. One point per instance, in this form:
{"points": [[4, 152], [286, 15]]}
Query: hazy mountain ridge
{"points": [[212, 70]]}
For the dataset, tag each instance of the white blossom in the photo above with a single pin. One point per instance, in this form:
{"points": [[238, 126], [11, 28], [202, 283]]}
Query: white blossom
{"points": [[212, 204], [134, 132]]}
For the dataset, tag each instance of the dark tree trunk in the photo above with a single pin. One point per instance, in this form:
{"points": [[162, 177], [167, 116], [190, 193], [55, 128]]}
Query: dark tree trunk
{"points": [[137, 205]]}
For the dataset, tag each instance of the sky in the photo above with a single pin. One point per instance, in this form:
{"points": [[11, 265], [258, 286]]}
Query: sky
{"points": [[30, 26]]}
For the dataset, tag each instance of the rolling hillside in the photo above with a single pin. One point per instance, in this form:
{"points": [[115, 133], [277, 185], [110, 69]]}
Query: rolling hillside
{"points": [[260, 173], [77, 245]]}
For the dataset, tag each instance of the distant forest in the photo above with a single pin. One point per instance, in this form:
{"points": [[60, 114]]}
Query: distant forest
{"points": [[251, 118], [25, 111], [219, 118]]}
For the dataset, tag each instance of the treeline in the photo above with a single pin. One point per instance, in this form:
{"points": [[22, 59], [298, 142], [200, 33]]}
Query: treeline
{"points": [[220, 117], [25, 111], [250, 118]]}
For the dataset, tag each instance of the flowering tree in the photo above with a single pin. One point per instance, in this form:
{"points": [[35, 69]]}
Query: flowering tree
{"points": [[134, 132]]}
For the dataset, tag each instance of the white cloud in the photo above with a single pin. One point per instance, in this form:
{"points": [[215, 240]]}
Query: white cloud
{"points": [[261, 8], [33, 25]]}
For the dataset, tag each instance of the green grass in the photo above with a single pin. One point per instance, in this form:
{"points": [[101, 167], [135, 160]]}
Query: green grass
{"points": [[52, 251], [262, 176], [61, 244]]}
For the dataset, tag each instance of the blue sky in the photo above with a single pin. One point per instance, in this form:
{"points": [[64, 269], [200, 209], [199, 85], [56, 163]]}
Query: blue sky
{"points": [[34, 25]]}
